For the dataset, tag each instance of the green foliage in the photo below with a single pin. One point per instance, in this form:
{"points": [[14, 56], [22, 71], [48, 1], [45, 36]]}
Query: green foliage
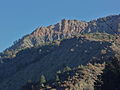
{"points": [[100, 36], [66, 69], [57, 78], [58, 72], [80, 66], [42, 80]]}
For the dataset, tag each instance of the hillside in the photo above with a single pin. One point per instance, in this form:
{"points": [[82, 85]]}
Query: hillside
{"points": [[50, 49], [104, 76], [64, 29]]}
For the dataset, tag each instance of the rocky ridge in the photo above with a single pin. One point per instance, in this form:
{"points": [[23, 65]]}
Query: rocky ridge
{"points": [[65, 29]]}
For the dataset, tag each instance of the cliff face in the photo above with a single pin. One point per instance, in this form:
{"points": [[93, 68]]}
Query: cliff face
{"points": [[110, 24], [66, 28]]}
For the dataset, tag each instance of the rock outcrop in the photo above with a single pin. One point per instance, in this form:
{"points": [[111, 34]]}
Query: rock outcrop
{"points": [[66, 29]]}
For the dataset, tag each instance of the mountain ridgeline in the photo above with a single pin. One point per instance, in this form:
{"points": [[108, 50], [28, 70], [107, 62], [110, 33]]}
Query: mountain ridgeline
{"points": [[65, 29], [80, 52]]}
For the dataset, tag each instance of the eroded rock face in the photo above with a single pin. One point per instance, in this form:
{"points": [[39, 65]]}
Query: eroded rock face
{"points": [[66, 28], [110, 24]]}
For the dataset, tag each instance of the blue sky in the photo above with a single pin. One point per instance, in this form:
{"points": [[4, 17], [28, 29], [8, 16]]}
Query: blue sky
{"points": [[21, 17]]}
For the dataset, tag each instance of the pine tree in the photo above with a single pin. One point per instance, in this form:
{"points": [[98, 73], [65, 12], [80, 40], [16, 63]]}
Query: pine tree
{"points": [[42, 80], [66, 69], [57, 78], [58, 72]]}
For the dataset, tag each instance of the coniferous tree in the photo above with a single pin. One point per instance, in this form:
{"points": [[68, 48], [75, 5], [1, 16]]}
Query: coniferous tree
{"points": [[57, 78], [42, 80], [66, 69]]}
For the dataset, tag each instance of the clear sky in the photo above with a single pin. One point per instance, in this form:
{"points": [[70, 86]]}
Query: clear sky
{"points": [[21, 17]]}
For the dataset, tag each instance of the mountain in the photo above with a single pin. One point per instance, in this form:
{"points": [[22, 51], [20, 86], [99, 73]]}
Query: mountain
{"points": [[65, 29], [50, 49]]}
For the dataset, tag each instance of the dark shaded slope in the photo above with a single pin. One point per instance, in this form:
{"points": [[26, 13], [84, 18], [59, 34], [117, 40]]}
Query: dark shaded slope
{"points": [[23, 59], [111, 75], [104, 76], [31, 63]]}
